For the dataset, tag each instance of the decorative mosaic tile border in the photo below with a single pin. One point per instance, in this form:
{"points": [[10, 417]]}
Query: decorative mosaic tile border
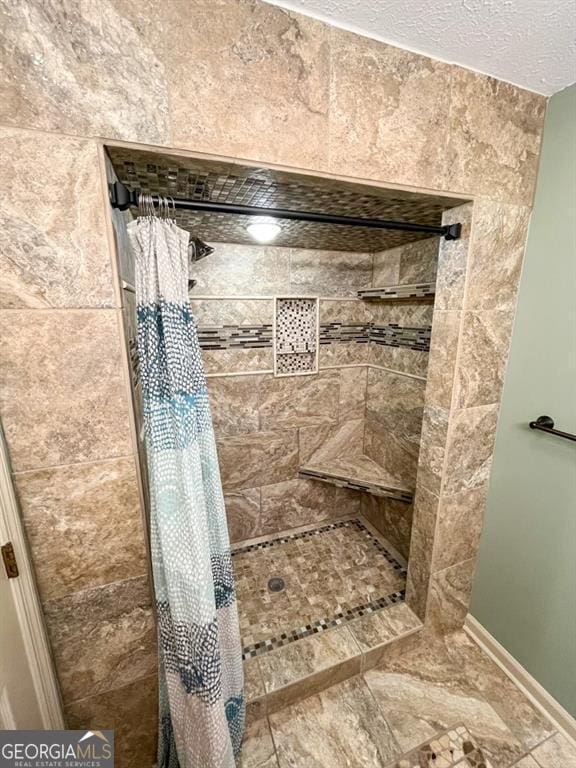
{"points": [[358, 524], [259, 336], [330, 622], [339, 333], [357, 485], [417, 291], [454, 748], [393, 335], [235, 336]]}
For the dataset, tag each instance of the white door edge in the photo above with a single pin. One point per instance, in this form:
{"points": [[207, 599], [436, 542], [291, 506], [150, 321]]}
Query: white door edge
{"points": [[27, 602]]}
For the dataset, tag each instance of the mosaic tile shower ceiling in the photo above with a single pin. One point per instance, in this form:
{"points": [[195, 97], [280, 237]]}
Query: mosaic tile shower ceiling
{"points": [[332, 574], [230, 183]]}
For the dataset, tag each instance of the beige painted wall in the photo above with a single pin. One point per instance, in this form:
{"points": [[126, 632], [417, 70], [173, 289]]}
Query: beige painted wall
{"points": [[247, 80]]}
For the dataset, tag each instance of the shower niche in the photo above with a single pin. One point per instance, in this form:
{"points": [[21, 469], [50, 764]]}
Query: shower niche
{"points": [[296, 327], [315, 348]]}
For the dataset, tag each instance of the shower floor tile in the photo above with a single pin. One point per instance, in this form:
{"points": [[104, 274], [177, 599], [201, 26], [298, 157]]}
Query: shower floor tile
{"points": [[332, 574]]}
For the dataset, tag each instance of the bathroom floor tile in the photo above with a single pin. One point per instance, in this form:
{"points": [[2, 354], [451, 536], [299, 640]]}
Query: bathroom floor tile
{"points": [[454, 747], [331, 574], [341, 727], [257, 746], [526, 722], [425, 690], [556, 752], [526, 762], [431, 706]]}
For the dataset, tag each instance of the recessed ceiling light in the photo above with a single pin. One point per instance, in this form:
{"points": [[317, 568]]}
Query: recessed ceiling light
{"points": [[264, 230]]}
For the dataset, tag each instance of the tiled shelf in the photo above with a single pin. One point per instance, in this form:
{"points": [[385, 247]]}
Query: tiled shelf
{"points": [[359, 473], [396, 292]]}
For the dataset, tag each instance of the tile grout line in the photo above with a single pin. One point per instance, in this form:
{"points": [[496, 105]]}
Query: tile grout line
{"points": [[153, 677], [87, 462], [382, 713], [271, 732]]}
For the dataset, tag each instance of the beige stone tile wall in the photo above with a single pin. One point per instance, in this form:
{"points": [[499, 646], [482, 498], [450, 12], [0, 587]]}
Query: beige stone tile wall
{"points": [[470, 338], [394, 410], [55, 253], [392, 518], [296, 92], [65, 413], [264, 270], [266, 428], [395, 403], [366, 109], [407, 264], [341, 411]]}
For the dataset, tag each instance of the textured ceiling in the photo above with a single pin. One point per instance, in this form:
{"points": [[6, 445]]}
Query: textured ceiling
{"points": [[531, 43], [225, 182]]}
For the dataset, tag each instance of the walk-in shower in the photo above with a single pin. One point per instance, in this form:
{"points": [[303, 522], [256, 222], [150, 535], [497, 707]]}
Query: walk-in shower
{"points": [[315, 347]]}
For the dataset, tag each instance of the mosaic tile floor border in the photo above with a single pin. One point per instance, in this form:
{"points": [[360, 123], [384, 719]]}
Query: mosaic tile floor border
{"points": [[454, 748], [340, 618]]}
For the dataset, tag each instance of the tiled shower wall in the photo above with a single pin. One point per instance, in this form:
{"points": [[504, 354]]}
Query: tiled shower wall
{"points": [[158, 81], [266, 427], [66, 420], [394, 402]]}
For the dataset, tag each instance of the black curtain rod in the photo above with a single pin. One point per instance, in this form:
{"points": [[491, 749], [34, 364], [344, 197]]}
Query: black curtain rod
{"points": [[122, 197]]}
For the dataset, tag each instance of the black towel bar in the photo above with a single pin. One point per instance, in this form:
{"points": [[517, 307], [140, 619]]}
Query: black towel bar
{"points": [[546, 424]]}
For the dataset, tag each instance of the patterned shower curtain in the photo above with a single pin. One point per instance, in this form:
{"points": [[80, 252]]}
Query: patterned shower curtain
{"points": [[201, 682]]}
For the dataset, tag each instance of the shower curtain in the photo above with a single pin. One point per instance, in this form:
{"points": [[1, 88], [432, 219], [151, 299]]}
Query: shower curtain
{"points": [[200, 659]]}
